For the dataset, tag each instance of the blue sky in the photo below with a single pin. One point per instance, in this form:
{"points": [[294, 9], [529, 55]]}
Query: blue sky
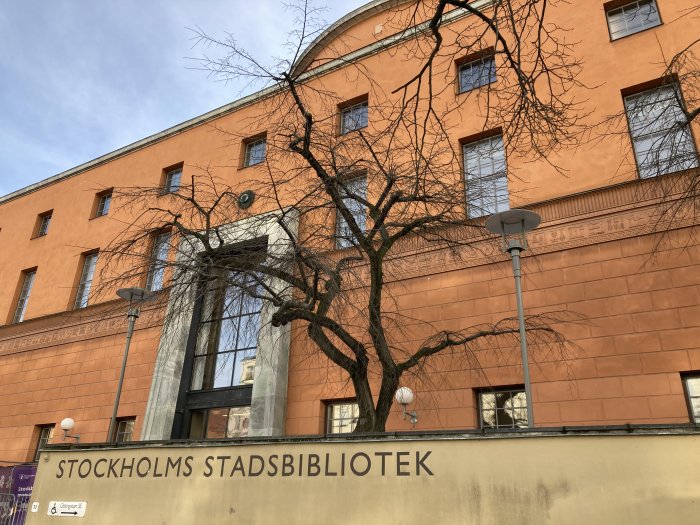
{"points": [[81, 78]]}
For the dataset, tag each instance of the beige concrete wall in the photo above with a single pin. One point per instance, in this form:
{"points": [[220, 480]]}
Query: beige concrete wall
{"points": [[596, 479]]}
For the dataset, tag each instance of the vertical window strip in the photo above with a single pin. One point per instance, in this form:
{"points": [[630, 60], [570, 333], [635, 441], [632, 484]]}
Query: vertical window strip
{"points": [[24, 296], [354, 192], [83, 295], [159, 258], [486, 177]]}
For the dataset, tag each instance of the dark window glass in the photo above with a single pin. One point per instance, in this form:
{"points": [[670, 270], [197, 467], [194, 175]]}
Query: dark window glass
{"points": [[632, 18], [24, 296], [255, 152], [45, 436], [103, 204], [172, 180]]}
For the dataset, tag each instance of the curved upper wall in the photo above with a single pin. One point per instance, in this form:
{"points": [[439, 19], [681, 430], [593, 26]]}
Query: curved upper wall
{"points": [[332, 37]]}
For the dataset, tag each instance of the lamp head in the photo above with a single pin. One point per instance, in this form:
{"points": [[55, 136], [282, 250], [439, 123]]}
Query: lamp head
{"points": [[67, 424], [404, 396]]}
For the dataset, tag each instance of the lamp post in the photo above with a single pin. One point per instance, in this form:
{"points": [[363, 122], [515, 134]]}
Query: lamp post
{"points": [[512, 225], [135, 296]]}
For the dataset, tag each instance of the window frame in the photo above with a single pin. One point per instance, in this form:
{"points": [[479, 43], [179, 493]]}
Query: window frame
{"points": [[495, 178], [168, 176], [469, 61], [159, 260], [100, 199], [42, 224], [84, 286], [347, 108], [648, 89], [248, 160], [686, 377], [518, 389], [43, 438], [120, 433], [343, 239], [24, 293], [329, 413], [620, 5], [208, 351]]}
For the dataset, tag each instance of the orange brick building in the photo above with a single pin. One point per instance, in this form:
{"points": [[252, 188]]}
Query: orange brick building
{"points": [[601, 253]]}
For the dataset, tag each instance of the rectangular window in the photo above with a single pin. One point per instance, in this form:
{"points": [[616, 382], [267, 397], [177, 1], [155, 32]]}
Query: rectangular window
{"points": [[104, 201], [45, 436], [354, 193], [220, 423], [255, 151], [27, 284], [125, 429], [486, 177], [632, 17], [341, 417], [660, 135], [477, 73], [353, 117], [692, 391], [228, 334], [158, 263], [503, 408], [42, 224], [172, 180], [86, 275]]}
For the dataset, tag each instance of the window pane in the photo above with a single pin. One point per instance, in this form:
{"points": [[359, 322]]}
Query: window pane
{"points": [[660, 137], [225, 423], [255, 152], [24, 296], [632, 18], [476, 74], [83, 295], [486, 179], [223, 371], [693, 385], [227, 341], [342, 417], [503, 409], [172, 180], [353, 190], [159, 257], [353, 118], [104, 204]]}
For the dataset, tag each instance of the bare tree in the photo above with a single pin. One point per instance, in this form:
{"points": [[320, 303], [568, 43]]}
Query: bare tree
{"points": [[352, 193]]}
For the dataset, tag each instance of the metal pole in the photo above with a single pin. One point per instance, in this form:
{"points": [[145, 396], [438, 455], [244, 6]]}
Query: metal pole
{"points": [[514, 248], [132, 316]]}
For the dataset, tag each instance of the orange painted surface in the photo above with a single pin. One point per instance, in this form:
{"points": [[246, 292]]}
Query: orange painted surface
{"points": [[644, 313]]}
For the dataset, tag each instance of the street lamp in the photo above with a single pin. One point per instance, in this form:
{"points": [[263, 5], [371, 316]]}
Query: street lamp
{"points": [[135, 296], [512, 225]]}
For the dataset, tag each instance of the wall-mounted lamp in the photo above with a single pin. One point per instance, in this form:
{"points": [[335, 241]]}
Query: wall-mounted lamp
{"points": [[404, 397], [67, 425]]}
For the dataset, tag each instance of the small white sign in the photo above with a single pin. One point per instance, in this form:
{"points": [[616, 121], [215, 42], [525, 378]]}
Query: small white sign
{"points": [[35, 506], [67, 509]]}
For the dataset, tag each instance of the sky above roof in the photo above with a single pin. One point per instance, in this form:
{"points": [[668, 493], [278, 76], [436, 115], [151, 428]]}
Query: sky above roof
{"points": [[82, 78]]}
